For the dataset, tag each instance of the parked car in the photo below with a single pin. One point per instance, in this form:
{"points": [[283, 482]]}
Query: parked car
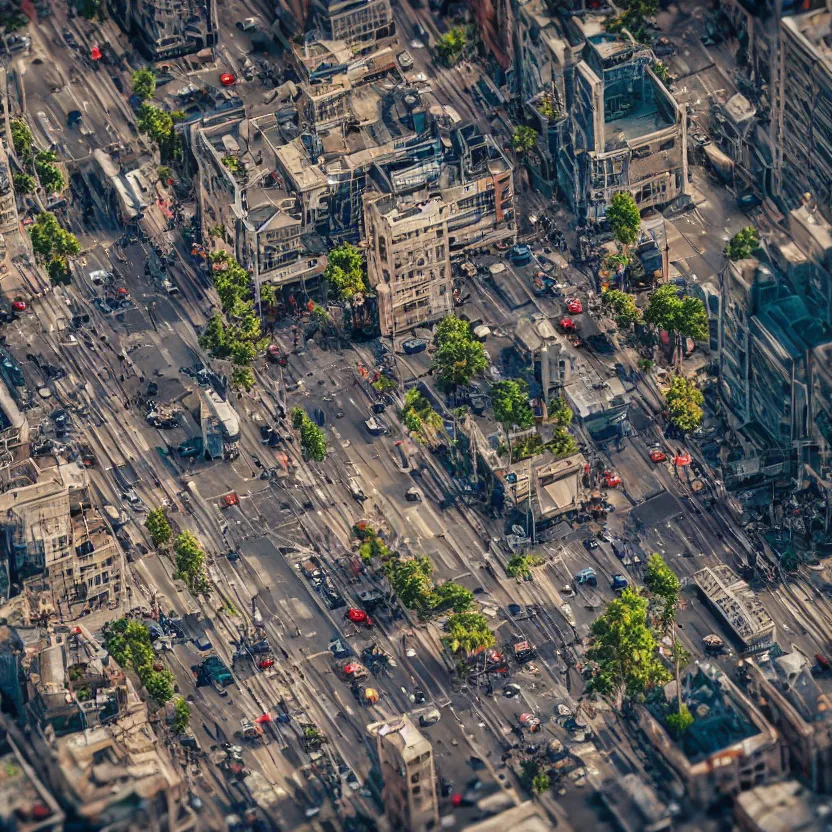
{"points": [[414, 345], [587, 576], [405, 60]]}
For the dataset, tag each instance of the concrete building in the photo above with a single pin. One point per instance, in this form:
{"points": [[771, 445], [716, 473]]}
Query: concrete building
{"points": [[359, 25], [735, 602], [729, 748], [626, 132], [165, 29], [57, 547], [780, 807], [527, 817], [545, 350], [407, 768], [800, 707]]}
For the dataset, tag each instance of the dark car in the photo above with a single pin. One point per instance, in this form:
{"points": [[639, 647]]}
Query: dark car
{"points": [[73, 117], [414, 345], [591, 543], [749, 201], [117, 83]]}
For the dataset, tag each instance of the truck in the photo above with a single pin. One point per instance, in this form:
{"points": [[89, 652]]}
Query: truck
{"points": [[214, 672]]}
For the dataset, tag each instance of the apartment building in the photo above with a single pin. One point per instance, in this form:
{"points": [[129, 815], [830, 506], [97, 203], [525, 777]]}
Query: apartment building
{"points": [[165, 29], [57, 548], [626, 131], [360, 25], [407, 768]]}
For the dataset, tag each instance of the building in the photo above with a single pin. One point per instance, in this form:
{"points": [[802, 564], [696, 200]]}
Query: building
{"points": [[800, 707], [780, 807], [545, 351], [121, 194], [164, 29], [634, 804], [407, 769], [737, 604], [525, 817], [359, 25], [57, 547], [729, 748], [625, 133]]}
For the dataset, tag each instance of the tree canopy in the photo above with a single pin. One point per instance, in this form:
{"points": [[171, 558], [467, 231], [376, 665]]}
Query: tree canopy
{"points": [[159, 125], [685, 316], [144, 84], [743, 244], [683, 403], [662, 582], [520, 566], [622, 307], [510, 400], [345, 271], [625, 649], [451, 45], [467, 632], [158, 526], [50, 176], [181, 715], [524, 139], [312, 440], [459, 356], [53, 245], [129, 643], [624, 218], [419, 417], [189, 558], [21, 137]]}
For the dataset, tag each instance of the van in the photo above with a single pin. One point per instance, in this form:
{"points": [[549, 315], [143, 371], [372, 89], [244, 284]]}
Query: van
{"points": [[170, 287]]}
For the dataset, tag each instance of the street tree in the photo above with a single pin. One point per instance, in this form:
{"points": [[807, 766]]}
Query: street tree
{"points": [[312, 440], [458, 356], [159, 125], [683, 404], [21, 138], [268, 295], [51, 179], [410, 580], [53, 246], [451, 45], [242, 378], [467, 632], [510, 400], [345, 271], [453, 596], [541, 782], [683, 317], [743, 244], [129, 643], [520, 566], [158, 683], [189, 558], [562, 443], [624, 218], [23, 183], [622, 307], [181, 715], [157, 524], [419, 417], [625, 650], [524, 139]]}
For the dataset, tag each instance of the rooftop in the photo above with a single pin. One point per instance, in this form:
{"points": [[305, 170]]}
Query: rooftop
{"points": [[738, 604], [782, 807], [791, 673], [816, 28]]}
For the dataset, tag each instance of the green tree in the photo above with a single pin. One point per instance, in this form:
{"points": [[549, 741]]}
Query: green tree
{"points": [[562, 443], [345, 271], [520, 566], [459, 356], [452, 596], [158, 683], [467, 632], [181, 715], [21, 138], [743, 244], [129, 643], [242, 378], [683, 403], [559, 413], [679, 721], [58, 269], [53, 245], [634, 19], [625, 649], [312, 440], [23, 183], [159, 527], [159, 125], [51, 178], [268, 295], [189, 558], [510, 400], [451, 45], [419, 417], [661, 72], [541, 783], [684, 317], [622, 307], [524, 139], [411, 581], [624, 218]]}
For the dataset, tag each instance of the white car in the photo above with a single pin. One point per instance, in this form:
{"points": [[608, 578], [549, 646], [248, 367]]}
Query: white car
{"points": [[247, 24], [417, 44], [405, 60]]}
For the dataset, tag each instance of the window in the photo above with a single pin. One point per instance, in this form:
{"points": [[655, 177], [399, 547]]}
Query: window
{"points": [[416, 790], [415, 778]]}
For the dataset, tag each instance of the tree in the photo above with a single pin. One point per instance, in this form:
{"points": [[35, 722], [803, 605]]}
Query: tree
{"points": [[53, 245], [157, 524], [58, 269], [181, 715], [451, 45], [683, 403], [662, 582], [419, 417], [562, 444], [622, 307], [345, 271], [189, 558], [524, 139], [459, 356], [559, 413], [520, 566], [541, 782], [129, 643], [242, 378], [312, 440], [21, 138], [624, 218], [624, 649], [683, 317], [467, 632], [158, 683], [680, 721], [410, 580], [510, 400], [51, 178], [23, 183], [452, 596], [159, 125], [661, 72], [743, 244], [634, 18], [268, 295]]}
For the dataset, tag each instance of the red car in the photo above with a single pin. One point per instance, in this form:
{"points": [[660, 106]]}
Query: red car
{"points": [[612, 479], [265, 664], [574, 306], [567, 324], [18, 306], [227, 79], [359, 617], [657, 456]]}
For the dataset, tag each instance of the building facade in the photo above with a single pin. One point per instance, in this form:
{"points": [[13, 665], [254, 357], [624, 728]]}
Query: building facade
{"points": [[360, 25]]}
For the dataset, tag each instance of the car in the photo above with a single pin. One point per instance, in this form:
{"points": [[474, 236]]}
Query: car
{"points": [[700, 139], [417, 44], [100, 276], [574, 306], [18, 306], [414, 345], [405, 60], [611, 479], [657, 455], [619, 583], [203, 643], [378, 407], [117, 83], [430, 718], [340, 649], [605, 535], [413, 495], [749, 201], [587, 576], [520, 255], [376, 426], [247, 24], [591, 543]]}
